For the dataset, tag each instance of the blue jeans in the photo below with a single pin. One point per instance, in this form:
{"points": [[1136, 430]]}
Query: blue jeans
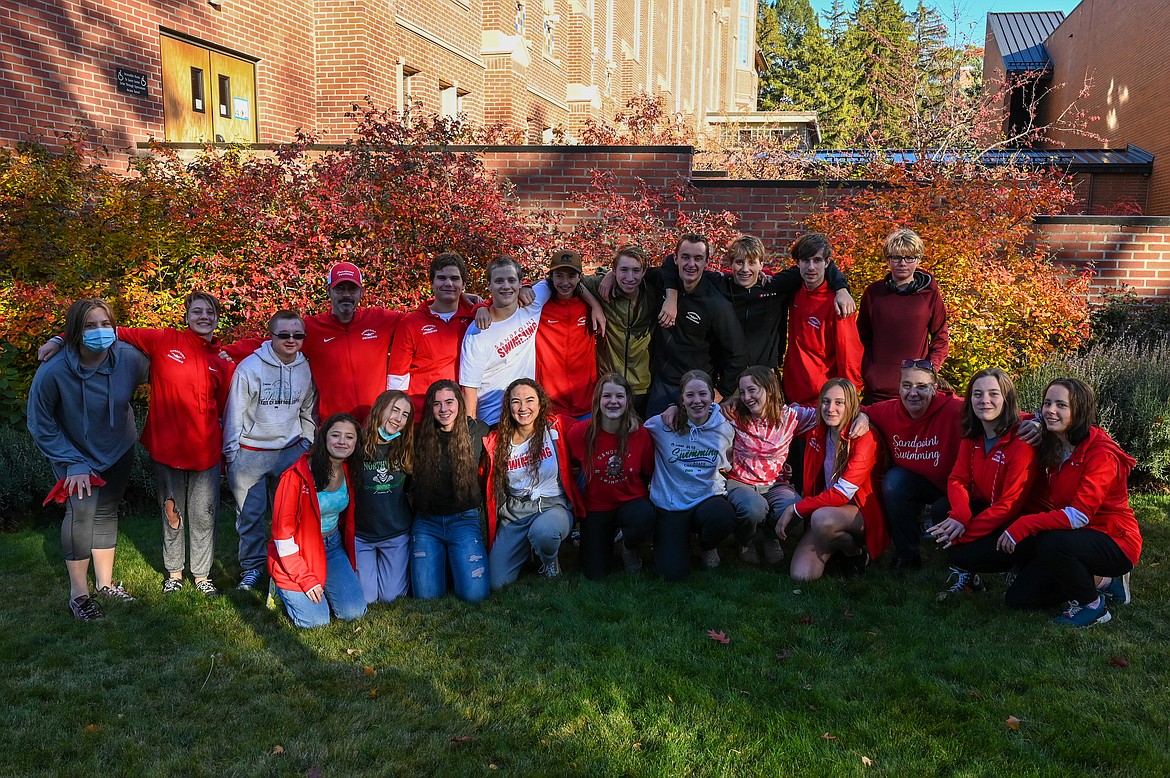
{"points": [[904, 494], [542, 531], [252, 477], [757, 506], [343, 591], [383, 567], [454, 540]]}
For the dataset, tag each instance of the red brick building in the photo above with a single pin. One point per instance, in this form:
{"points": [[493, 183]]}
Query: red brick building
{"points": [[1120, 50], [256, 70]]}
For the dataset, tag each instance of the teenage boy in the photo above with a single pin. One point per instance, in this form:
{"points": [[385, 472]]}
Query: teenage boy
{"points": [[821, 344], [566, 351], [267, 425], [426, 348]]}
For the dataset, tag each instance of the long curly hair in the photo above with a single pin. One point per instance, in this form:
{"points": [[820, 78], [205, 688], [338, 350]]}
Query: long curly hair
{"points": [[852, 408], [429, 450], [400, 451], [319, 460], [508, 427], [765, 378], [626, 424]]}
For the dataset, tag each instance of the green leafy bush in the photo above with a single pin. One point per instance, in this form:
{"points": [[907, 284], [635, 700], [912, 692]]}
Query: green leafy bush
{"points": [[1126, 317], [1132, 382]]}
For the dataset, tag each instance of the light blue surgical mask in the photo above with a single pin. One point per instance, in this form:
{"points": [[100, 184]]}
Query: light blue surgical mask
{"points": [[385, 437], [98, 339]]}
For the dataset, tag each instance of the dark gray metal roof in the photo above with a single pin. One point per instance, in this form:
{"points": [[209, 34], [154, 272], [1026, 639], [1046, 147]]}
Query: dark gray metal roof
{"points": [[1021, 36], [1129, 159]]}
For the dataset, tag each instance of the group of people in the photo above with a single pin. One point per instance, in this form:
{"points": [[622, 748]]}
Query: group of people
{"points": [[449, 446]]}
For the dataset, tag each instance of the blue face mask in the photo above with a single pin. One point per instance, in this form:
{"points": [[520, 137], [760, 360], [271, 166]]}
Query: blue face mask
{"points": [[387, 438], [98, 339]]}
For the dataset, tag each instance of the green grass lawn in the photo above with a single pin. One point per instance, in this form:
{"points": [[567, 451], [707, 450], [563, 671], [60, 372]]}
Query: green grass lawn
{"points": [[864, 677]]}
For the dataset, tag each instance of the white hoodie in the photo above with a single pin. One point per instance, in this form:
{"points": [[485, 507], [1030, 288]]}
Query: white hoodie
{"points": [[270, 404], [687, 466]]}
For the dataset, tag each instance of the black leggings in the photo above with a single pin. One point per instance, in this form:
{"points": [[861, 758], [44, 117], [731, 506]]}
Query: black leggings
{"points": [[1063, 566], [713, 519], [92, 522], [636, 519]]}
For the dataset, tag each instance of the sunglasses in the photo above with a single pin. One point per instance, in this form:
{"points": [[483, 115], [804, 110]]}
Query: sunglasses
{"points": [[920, 364], [287, 335]]}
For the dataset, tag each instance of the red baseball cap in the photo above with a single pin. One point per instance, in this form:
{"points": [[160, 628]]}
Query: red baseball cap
{"points": [[344, 271]]}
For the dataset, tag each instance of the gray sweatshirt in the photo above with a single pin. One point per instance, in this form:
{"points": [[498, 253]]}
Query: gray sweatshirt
{"points": [[270, 404], [80, 418], [687, 466]]}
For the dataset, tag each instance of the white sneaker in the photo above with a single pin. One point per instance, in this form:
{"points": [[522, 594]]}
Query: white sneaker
{"points": [[710, 558]]}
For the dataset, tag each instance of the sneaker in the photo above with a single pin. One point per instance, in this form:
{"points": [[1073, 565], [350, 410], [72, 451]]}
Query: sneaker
{"points": [[1117, 592], [962, 581], [116, 592], [749, 554], [86, 608], [854, 566], [630, 559], [551, 569], [1079, 615], [710, 558], [250, 579], [172, 585], [207, 588], [907, 564], [773, 551]]}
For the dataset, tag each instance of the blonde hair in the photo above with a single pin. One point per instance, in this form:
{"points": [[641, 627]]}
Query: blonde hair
{"points": [[903, 241]]}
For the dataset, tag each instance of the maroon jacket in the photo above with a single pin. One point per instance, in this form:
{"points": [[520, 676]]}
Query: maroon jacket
{"points": [[899, 325]]}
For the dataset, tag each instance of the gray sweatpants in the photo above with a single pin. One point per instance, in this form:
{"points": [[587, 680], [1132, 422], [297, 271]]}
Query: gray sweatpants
{"points": [[189, 502]]}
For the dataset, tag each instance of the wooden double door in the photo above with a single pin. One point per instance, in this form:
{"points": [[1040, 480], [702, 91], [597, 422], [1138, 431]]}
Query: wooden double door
{"points": [[208, 96]]}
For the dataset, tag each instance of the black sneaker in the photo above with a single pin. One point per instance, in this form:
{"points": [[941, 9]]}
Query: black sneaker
{"points": [[86, 608], [116, 592], [961, 582], [854, 566], [172, 585], [207, 588]]}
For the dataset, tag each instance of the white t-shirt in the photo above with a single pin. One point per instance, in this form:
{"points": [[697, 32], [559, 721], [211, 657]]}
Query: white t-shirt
{"points": [[520, 482], [493, 358]]}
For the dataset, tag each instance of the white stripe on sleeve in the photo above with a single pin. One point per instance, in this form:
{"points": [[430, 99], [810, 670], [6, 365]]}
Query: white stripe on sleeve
{"points": [[1075, 518], [286, 547], [845, 488]]}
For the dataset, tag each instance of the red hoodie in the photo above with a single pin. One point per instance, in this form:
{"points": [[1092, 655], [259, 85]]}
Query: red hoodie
{"points": [[858, 478], [556, 434], [1002, 477], [189, 385], [821, 345], [1088, 487], [425, 350], [926, 446], [566, 356], [613, 483], [296, 515]]}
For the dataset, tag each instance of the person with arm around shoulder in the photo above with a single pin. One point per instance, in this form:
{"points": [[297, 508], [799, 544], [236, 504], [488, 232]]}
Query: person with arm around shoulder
{"points": [[616, 460], [311, 557], [81, 420], [991, 480], [1078, 539]]}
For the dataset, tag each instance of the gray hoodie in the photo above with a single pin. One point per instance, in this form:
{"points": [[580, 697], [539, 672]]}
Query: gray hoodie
{"points": [[80, 418], [270, 404], [687, 465]]}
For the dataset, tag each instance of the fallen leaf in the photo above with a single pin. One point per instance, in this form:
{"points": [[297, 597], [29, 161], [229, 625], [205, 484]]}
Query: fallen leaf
{"points": [[1119, 661], [460, 738], [805, 619], [1013, 723], [373, 692], [784, 656], [278, 749], [865, 760], [975, 695], [90, 729], [353, 651], [718, 637], [797, 591], [357, 629], [369, 671], [827, 736], [637, 746]]}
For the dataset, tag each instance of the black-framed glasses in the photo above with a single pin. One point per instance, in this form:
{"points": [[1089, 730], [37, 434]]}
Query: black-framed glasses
{"points": [[899, 260], [918, 364], [287, 335]]}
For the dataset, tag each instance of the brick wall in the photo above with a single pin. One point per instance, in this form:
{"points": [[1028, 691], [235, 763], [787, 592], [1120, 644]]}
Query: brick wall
{"points": [[1121, 252]]}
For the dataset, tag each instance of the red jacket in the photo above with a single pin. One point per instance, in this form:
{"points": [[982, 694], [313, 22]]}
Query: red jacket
{"points": [[927, 446], [348, 361], [1090, 483], [1002, 477], [896, 326], [564, 465], [859, 476], [297, 515], [425, 350], [189, 385], [566, 356], [608, 487], [821, 345]]}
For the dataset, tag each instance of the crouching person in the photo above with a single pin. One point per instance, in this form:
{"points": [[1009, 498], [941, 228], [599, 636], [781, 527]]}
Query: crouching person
{"points": [[311, 556]]}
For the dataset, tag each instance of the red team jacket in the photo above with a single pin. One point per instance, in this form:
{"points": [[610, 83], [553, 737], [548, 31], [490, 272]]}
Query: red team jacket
{"points": [[297, 515], [821, 345], [1002, 477], [859, 473], [566, 356], [1091, 482], [189, 385], [426, 349], [348, 361], [928, 446]]}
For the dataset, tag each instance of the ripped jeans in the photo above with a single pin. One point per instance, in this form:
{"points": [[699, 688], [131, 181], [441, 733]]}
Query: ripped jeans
{"points": [[455, 540]]}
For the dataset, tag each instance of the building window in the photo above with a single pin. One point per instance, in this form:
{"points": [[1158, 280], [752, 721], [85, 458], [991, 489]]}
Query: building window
{"points": [[225, 95], [450, 100], [550, 36], [520, 19], [743, 53], [198, 98]]}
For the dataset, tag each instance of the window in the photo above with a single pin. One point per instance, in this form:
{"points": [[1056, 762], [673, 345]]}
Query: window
{"points": [[225, 95], [743, 52], [197, 96], [520, 19], [450, 100], [609, 33]]}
